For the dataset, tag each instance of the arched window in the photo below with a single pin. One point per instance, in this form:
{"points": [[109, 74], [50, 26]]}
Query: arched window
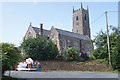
{"points": [[68, 43], [76, 18], [64, 43], [85, 17]]}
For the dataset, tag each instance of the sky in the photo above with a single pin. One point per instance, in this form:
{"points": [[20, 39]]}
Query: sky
{"points": [[16, 17]]}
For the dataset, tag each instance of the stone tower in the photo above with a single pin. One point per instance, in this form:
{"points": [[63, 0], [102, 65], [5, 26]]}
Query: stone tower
{"points": [[81, 21]]}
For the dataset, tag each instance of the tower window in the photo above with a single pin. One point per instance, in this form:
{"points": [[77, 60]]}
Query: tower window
{"points": [[85, 17], [76, 18]]}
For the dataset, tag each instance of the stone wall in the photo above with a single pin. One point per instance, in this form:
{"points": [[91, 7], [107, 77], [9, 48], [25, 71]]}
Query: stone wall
{"points": [[66, 42], [84, 46]]}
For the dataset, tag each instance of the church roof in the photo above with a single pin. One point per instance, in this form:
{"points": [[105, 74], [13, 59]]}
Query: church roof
{"points": [[63, 32], [45, 32], [71, 34]]}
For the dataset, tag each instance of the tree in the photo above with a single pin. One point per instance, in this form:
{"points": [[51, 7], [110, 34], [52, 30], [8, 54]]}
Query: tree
{"points": [[40, 48], [10, 55], [101, 46], [71, 54]]}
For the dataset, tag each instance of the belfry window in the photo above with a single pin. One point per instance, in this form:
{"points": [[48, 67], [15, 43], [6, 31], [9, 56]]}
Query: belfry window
{"points": [[76, 18], [85, 17]]}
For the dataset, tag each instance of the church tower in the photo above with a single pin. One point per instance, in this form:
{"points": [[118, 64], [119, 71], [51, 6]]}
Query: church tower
{"points": [[81, 21]]}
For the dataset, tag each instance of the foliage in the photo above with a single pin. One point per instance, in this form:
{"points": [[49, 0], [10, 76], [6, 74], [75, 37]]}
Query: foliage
{"points": [[60, 57], [71, 54], [115, 48], [101, 46], [40, 48], [10, 55], [92, 57]]}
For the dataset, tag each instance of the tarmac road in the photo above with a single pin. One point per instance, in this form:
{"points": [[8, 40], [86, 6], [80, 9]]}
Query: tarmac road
{"points": [[30, 75]]}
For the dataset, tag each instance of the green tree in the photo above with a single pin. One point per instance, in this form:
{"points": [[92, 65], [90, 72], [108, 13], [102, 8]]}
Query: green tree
{"points": [[40, 48], [101, 46], [9, 55], [71, 54]]}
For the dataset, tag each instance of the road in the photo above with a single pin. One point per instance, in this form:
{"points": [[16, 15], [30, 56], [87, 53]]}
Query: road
{"points": [[27, 74]]}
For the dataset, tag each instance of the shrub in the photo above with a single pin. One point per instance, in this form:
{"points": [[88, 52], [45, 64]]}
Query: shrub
{"points": [[92, 57], [59, 57], [71, 54]]}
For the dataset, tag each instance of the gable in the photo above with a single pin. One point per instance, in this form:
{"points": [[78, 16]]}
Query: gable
{"points": [[53, 33], [30, 33]]}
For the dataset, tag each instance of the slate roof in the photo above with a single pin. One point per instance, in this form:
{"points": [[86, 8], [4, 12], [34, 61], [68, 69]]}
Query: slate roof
{"points": [[45, 32], [71, 34], [63, 32]]}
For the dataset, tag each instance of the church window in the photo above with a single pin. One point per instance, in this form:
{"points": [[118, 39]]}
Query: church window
{"points": [[64, 43], [76, 18], [85, 17], [68, 43]]}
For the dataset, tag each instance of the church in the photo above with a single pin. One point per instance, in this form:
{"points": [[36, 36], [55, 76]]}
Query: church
{"points": [[79, 38]]}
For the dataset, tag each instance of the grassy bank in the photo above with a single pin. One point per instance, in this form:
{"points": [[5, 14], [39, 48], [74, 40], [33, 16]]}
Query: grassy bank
{"points": [[93, 65]]}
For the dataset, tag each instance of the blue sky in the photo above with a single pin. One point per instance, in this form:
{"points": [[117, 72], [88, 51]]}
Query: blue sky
{"points": [[16, 17]]}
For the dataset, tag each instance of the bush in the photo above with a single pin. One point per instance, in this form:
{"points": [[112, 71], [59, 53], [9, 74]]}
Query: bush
{"points": [[92, 57], [59, 57], [71, 54]]}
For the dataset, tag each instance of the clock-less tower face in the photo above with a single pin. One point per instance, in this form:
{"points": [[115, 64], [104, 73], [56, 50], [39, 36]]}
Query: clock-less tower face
{"points": [[81, 21]]}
